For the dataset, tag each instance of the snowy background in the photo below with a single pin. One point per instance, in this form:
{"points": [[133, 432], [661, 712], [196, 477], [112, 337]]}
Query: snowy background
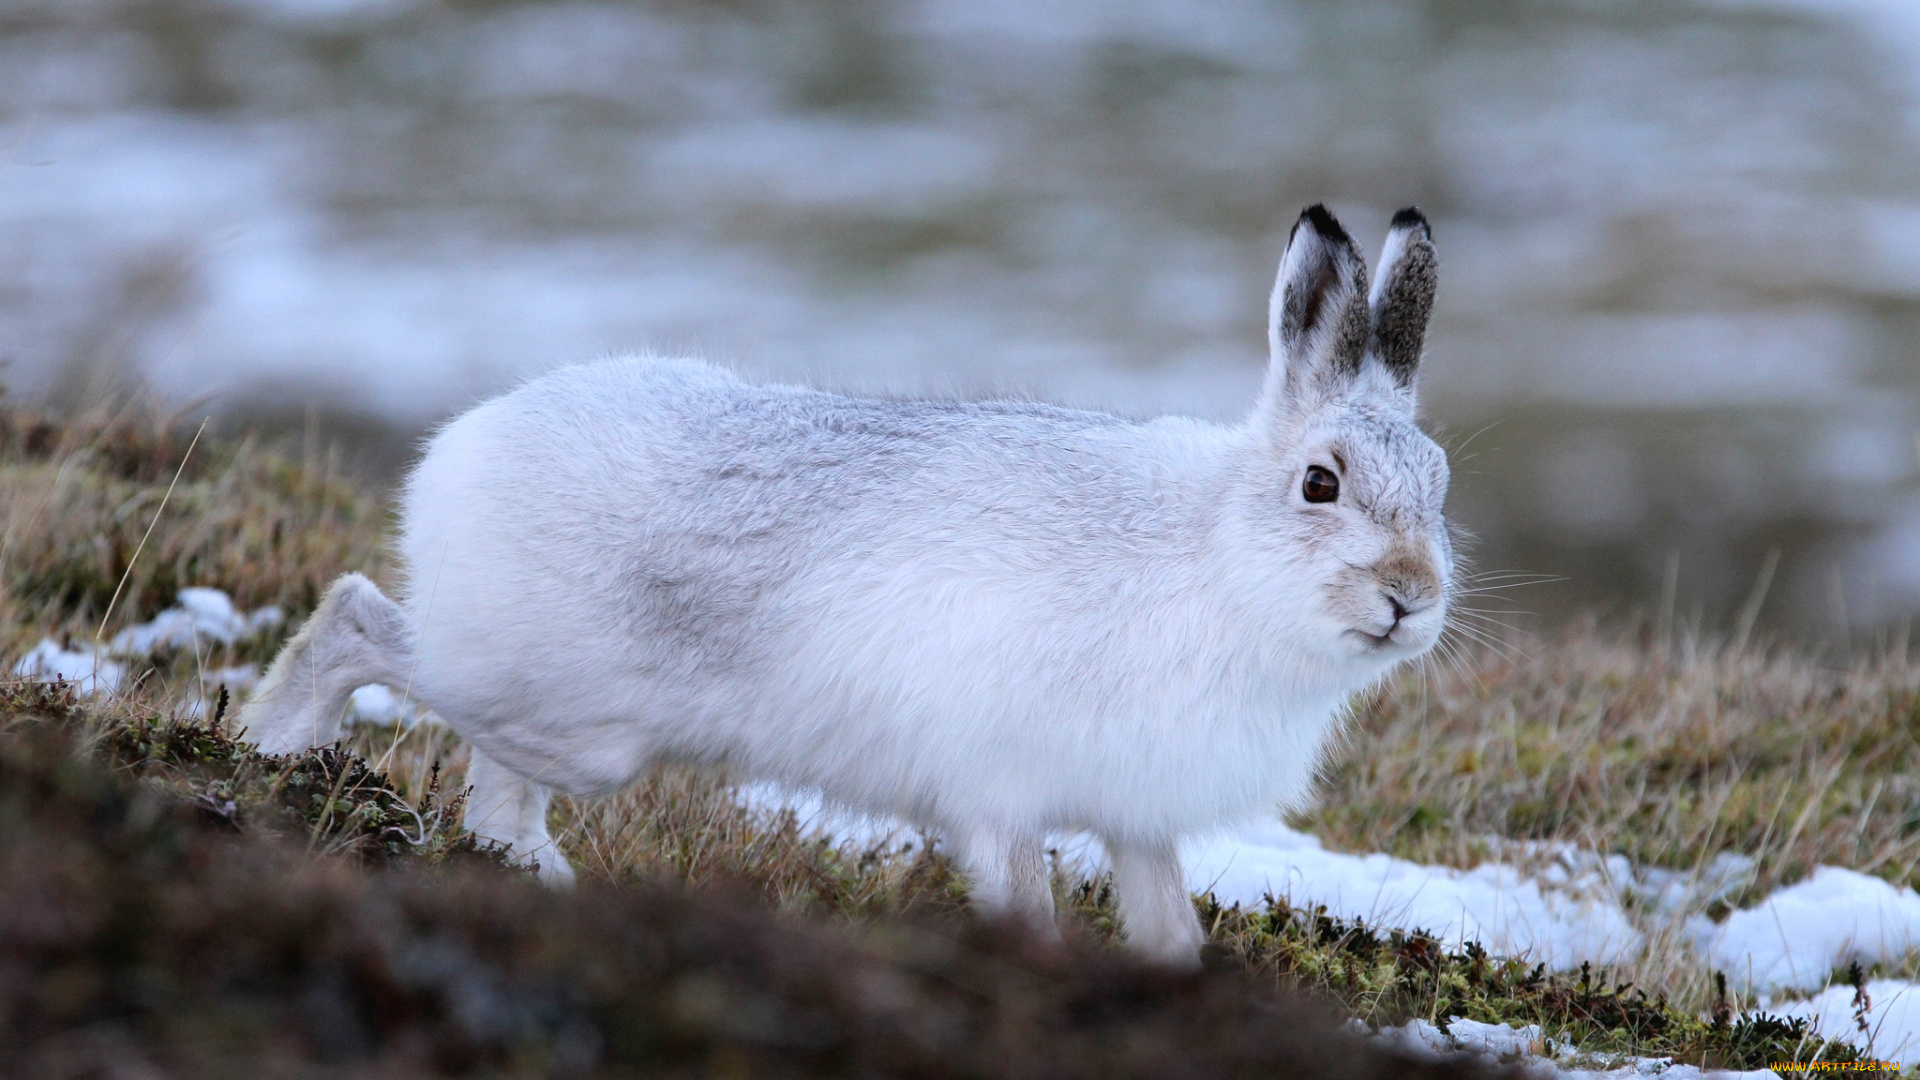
{"points": [[1680, 315]]}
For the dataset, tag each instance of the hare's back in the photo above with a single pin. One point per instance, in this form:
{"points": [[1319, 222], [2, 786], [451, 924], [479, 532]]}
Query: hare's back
{"points": [[644, 450], [704, 522]]}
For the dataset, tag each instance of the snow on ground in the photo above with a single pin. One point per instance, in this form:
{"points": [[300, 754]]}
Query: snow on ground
{"points": [[383, 706], [1423, 1039], [82, 665], [199, 619], [1562, 917], [1494, 904], [1796, 937], [1892, 1017], [198, 615]]}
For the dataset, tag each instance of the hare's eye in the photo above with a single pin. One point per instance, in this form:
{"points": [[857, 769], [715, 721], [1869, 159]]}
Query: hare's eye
{"points": [[1320, 486]]}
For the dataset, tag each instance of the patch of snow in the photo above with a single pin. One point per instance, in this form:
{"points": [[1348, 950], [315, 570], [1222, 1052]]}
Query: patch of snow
{"points": [[1416, 1038], [1893, 1018], [1427, 1041], [1499, 1040], [86, 667], [1562, 913], [198, 613], [1566, 868], [201, 615], [1494, 904], [1678, 890], [1424, 1040], [379, 705], [236, 678], [1800, 934], [1665, 1069], [817, 817]]}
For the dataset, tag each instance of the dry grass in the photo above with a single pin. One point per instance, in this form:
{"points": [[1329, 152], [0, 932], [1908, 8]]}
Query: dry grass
{"points": [[683, 824], [1597, 739], [1603, 738], [77, 495], [687, 825]]}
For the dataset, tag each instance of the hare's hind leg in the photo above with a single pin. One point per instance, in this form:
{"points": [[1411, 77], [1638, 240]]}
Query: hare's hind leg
{"points": [[510, 809], [357, 636], [1009, 878], [1156, 911]]}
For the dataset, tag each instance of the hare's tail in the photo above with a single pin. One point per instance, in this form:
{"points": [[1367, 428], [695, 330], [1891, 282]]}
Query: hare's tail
{"points": [[356, 637]]}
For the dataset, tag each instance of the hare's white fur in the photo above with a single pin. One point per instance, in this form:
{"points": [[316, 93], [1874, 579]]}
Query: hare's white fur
{"points": [[998, 619]]}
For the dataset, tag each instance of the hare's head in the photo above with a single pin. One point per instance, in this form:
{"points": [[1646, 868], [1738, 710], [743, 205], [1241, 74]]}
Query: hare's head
{"points": [[1350, 494]]}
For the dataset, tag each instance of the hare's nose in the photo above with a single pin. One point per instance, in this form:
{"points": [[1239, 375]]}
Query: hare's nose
{"points": [[1404, 605], [1409, 580]]}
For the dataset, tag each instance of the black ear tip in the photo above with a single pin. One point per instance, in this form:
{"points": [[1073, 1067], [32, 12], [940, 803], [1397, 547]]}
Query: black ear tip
{"points": [[1411, 217], [1323, 222]]}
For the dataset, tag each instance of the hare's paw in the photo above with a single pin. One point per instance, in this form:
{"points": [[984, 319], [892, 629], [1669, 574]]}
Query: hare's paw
{"points": [[1009, 878], [511, 810], [1156, 911]]}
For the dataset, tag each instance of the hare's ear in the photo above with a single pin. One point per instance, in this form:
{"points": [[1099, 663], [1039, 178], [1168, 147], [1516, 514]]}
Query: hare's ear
{"points": [[1402, 297], [1317, 321]]}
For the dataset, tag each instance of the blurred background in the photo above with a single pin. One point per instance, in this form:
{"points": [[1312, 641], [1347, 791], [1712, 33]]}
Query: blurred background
{"points": [[1678, 339]]}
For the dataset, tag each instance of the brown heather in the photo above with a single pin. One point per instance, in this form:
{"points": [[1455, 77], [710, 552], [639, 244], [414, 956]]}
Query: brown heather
{"points": [[148, 930]]}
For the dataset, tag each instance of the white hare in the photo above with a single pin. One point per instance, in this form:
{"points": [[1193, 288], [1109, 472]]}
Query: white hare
{"points": [[996, 619]]}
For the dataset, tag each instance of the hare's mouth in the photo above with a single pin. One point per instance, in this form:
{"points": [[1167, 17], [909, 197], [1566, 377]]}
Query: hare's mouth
{"points": [[1374, 642], [1399, 638]]}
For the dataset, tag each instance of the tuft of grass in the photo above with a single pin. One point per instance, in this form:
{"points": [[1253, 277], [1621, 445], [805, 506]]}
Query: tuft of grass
{"points": [[687, 825]]}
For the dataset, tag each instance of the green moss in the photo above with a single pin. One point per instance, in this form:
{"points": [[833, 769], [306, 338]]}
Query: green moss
{"points": [[329, 797]]}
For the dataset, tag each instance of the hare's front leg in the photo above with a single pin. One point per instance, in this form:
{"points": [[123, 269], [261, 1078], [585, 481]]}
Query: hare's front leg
{"points": [[510, 809], [1156, 911], [1009, 878]]}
